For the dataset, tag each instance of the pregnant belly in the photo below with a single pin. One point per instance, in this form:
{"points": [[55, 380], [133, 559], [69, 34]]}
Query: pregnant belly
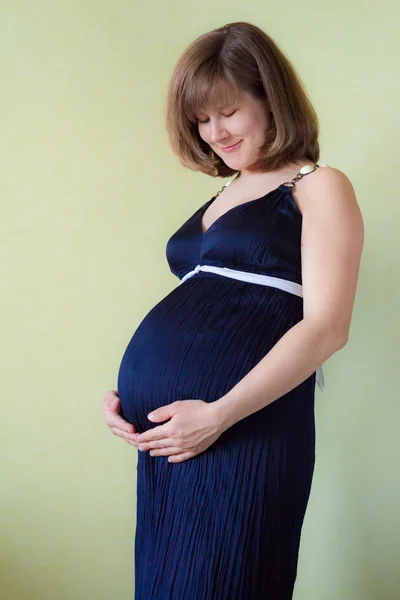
{"points": [[198, 342]]}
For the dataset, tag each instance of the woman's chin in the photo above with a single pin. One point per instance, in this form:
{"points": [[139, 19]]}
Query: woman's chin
{"points": [[234, 163]]}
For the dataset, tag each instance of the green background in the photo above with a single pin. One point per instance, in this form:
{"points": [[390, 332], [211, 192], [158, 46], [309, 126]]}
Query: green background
{"points": [[90, 194]]}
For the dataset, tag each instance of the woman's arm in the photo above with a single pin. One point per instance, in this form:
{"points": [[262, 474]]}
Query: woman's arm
{"points": [[331, 246]]}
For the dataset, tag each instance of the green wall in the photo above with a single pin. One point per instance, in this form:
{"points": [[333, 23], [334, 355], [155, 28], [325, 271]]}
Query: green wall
{"points": [[90, 194]]}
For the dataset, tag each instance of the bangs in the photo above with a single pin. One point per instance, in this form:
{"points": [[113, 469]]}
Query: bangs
{"points": [[209, 89]]}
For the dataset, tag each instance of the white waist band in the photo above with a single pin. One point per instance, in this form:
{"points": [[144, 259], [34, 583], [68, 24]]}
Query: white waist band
{"points": [[282, 284]]}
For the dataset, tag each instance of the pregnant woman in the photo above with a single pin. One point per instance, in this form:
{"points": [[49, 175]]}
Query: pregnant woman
{"points": [[216, 387]]}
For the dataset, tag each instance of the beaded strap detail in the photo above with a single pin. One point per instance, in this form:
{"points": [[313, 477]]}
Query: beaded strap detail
{"points": [[306, 170], [224, 186], [303, 171]]}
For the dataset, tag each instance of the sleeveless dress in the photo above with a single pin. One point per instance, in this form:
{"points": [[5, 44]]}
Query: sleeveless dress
{"points": [[225, 524]]}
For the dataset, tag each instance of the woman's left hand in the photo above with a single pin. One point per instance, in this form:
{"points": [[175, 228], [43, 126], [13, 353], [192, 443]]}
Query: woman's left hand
{"points": [[192, 428]]}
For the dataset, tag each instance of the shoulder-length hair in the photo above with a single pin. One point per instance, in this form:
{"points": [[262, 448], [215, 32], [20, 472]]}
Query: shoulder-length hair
{"points": [[215, 70]]}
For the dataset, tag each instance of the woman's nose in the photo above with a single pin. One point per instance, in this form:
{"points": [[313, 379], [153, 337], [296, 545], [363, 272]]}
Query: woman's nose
{"points": [[217, 132]]}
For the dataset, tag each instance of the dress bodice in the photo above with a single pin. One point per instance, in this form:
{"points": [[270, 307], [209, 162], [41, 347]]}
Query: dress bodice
{"points": [[259, 236]]}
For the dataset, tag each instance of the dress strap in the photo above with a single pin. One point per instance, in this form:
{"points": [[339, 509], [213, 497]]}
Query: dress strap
{"points": [[306, 170], [225, 186]]}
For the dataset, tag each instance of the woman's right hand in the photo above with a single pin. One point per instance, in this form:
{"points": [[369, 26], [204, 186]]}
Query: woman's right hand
{"points": [[112, 417]]}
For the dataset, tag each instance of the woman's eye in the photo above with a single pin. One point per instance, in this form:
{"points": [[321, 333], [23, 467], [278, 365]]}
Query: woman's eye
{"points": [[206, 120]]}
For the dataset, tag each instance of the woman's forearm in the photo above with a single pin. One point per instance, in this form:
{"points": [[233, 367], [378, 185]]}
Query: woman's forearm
{"points": [[290, 362]]}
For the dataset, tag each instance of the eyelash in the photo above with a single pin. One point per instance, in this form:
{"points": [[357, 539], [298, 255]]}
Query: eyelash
{"points": [[230, 115]]}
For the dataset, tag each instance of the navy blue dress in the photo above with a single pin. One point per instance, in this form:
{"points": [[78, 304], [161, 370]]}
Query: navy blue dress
{"points": [[226, 524]]}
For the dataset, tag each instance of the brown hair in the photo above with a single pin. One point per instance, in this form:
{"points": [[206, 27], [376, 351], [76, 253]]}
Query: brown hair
{"points": [[215, 70]]}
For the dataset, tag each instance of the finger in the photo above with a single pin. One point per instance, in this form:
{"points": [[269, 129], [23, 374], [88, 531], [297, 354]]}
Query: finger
{"points": [[113, 419], [164, 451], [111, 400], [132, 443], [162, 443], [176, 458], [122, 434], [157, 433]]}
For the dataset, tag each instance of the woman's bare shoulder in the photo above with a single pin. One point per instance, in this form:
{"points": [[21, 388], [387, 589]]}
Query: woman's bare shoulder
{"points": [[325, 186]]}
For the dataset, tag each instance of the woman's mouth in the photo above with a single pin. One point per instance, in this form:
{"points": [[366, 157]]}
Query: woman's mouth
{"points": [[232, 148]]}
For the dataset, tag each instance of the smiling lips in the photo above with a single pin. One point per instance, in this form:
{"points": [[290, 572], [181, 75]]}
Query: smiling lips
{"points": [[232, 148]]}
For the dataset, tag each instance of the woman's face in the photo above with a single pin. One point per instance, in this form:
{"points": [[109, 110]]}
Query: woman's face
{"points": [[236, 132]]}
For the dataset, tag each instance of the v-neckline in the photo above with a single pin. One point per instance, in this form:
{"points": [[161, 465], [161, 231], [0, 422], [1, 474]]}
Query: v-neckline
{"points": [[281, 187]]}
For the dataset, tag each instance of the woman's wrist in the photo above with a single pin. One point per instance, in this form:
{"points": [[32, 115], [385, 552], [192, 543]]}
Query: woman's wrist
{"points": [[222, 413]]}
